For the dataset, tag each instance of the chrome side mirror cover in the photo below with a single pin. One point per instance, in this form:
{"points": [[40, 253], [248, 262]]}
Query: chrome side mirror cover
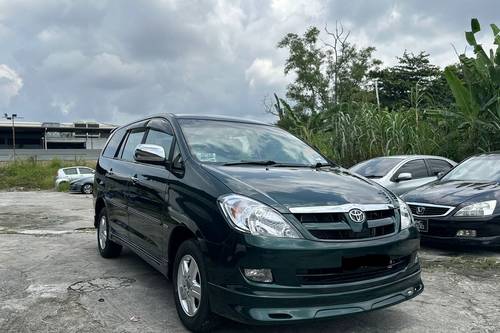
{"points": [[152, 154]]}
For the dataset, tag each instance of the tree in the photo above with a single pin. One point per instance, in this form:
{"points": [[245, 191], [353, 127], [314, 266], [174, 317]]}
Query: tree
{"points": [[327, 73], [414, 80], [309, 91]]}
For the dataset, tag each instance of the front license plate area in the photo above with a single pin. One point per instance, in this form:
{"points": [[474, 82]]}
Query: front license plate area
{"points": [[422, 225]]}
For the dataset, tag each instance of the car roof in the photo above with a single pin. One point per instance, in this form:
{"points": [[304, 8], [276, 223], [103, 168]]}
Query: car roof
{"points": [[76, 166], [487, 153], [412, 156]]}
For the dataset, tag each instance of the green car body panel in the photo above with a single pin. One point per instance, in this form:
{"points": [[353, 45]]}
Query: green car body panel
{"points": [[316, 276]]}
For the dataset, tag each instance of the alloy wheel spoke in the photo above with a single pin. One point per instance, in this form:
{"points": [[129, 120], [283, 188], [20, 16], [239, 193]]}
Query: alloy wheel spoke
{"points": [[185, 268], [196, 290]]}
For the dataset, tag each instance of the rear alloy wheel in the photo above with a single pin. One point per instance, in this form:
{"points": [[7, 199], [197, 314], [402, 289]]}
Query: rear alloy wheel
{"points": [[190, 288], [107, 248], [87, 189]]}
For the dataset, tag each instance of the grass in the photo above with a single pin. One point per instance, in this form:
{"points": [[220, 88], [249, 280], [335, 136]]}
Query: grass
{"points": [[34, 175]]}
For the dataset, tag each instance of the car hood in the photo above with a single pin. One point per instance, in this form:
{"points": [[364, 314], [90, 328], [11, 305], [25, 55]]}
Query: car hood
{"points": [[300, 186], [453, 193]]}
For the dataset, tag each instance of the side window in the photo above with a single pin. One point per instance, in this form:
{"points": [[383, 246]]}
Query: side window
{"points": [[86, 171], [162, 139], [113, 143], [133, 140], [417, 168], [438, 166], [70, 171]]}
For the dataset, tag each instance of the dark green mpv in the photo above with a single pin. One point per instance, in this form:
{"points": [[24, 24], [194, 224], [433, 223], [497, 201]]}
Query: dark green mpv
{"points": [[251, 223]]}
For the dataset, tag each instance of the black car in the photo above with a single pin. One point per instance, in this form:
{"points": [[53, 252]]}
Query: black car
{"points": [[251, 223], [83, 185], [462, 207]]}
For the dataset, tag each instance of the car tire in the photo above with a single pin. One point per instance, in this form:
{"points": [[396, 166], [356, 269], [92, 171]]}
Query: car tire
{"points": [[87, 189], [196, 317], [107, 248]]}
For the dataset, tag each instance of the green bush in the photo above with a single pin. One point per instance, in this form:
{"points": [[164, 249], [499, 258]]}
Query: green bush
{"points": [[31, 174]]}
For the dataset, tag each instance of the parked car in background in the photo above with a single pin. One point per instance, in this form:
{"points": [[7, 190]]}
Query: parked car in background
{"points": [[461, 207], [84, 185], [67, 175], [251, 223], [403, 173]]}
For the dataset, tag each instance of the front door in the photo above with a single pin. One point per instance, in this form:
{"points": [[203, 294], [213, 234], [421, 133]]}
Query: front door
{"points": [[147, 195]]}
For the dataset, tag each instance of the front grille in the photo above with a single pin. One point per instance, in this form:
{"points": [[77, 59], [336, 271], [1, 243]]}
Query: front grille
{"points": [[320, 217], [354, 269], [349, 234], [336, 226], [428, 210]]}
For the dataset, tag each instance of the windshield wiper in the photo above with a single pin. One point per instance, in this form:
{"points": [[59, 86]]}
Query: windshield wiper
{"points": [[267, 163]]}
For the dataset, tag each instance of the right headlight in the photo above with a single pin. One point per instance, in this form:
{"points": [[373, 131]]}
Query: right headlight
{"points": [[478, 209], [255, 218], [405, 213]]}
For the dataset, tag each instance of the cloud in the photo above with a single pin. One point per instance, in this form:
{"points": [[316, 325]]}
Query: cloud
{"points": [[10, 84], [263, 72], [114, 61]]}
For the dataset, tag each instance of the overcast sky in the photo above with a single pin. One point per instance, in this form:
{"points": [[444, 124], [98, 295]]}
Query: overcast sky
{"points": [[114, 61]]}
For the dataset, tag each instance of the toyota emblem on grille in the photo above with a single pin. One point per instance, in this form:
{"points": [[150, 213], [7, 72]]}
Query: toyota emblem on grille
{"points": [[357, 215], [420, 210]]}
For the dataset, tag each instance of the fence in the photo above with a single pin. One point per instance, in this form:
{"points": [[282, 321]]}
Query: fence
{"points": [[49, 154]]}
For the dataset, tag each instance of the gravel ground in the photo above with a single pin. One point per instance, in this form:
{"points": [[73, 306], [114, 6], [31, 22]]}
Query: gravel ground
{"points": [[53, 280]]}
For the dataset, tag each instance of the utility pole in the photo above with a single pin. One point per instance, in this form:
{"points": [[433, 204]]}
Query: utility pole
{"points": [[376, 94], [13, 118]]}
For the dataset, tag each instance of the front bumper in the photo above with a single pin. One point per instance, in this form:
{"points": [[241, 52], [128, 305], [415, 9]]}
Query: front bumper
{"points": [[290, 299], [444, 231]]}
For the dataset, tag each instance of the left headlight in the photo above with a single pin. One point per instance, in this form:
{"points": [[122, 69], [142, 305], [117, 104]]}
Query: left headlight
{"points": [[253, 217], [484, 208], [406, 216]]}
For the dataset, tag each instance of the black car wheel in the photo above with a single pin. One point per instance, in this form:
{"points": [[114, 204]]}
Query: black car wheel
{"points": [[87, 189], [107, 248], [191, 288]]}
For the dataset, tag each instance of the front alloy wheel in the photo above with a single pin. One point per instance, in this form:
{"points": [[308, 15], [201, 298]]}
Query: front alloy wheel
{"points": [[189, 285], [87, 189]]}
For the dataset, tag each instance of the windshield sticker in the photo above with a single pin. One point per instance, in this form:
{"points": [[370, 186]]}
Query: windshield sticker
{"points": [[206, 157]]}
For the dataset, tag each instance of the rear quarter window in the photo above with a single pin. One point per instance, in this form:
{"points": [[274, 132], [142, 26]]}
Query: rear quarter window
{"points": [[114, 143]]}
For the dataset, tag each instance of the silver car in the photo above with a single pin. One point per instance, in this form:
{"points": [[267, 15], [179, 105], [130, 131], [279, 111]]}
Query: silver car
{"points": [[67, 175], [403, 173]]}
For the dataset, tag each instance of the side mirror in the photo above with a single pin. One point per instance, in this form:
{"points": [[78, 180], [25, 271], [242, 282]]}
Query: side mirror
{"points": [[440, 174], [152, 154], [404, 176]]}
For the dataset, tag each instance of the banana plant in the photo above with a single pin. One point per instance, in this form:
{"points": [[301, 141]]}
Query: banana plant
{"points": [[477, 97]]}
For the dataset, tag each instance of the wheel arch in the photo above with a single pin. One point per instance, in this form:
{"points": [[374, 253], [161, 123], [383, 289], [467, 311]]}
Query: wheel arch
{"points": [[178, 235], [99, 205]]}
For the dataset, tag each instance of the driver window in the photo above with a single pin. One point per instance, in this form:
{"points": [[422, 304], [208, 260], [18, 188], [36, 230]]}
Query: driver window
{"points": [[417, 168], [161, 139]]}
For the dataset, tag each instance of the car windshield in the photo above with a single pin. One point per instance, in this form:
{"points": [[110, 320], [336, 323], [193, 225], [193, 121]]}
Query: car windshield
{"points": [[377, 167], [479, 168], [226, 142]]}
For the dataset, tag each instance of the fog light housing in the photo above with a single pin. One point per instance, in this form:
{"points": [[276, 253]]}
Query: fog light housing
{"points": [[262, 275], [466, 233]]}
